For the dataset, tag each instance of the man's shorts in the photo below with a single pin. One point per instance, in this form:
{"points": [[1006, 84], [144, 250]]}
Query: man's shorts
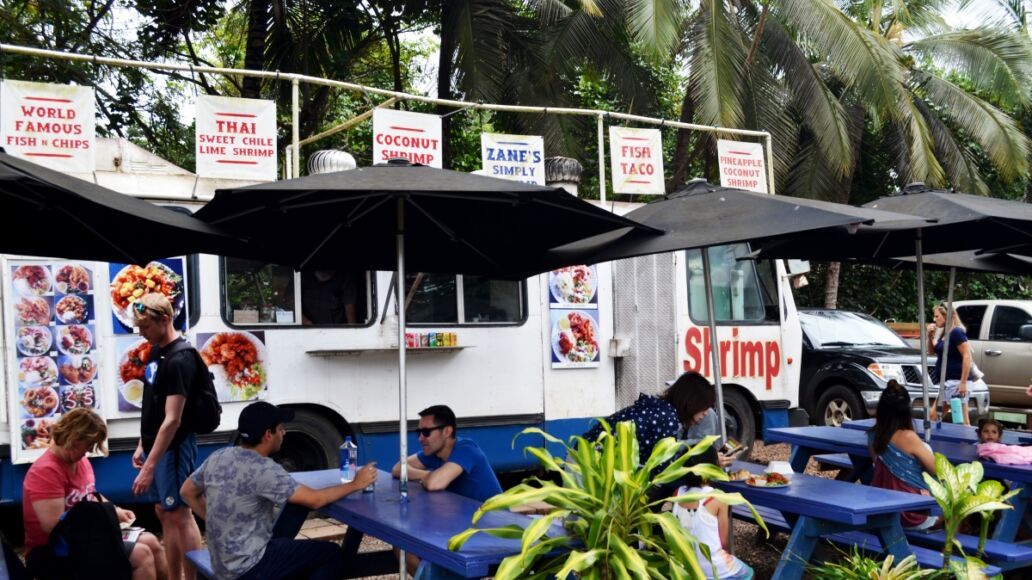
{"points": [[171, 473]]}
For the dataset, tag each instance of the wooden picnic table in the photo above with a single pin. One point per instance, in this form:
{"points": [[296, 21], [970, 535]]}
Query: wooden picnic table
{"points": [[816, 507], [950, 432], [809, 441], [422, 525]]}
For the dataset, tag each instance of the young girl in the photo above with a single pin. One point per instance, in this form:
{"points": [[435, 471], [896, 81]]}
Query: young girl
{"points": [[710, 522], [989, 431]]}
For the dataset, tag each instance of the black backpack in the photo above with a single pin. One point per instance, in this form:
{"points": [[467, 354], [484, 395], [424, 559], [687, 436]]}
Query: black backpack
{"points": [[87, 543], [202, 413]]}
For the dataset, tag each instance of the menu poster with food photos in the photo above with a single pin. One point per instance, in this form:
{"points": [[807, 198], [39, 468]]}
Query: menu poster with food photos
{"points": [[239, 362], [53, 326], [574, 338], [130, 281], [133, 353], [573, 287]]}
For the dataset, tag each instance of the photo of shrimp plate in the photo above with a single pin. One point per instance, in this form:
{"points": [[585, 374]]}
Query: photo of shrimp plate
{"points": [[134, 281], [74, 339], [34, 311], [34, 340], [31, 280], [72, 279], [75, 396], [72, 309], [237, 359], [37, 371], [574, 338], [35, 433], [78, 369], [133, 363], [39, 401], [573, 284]]}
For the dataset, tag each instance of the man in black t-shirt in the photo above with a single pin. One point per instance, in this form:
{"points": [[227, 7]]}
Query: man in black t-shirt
{"points": [[167, 451], [329, 297]]}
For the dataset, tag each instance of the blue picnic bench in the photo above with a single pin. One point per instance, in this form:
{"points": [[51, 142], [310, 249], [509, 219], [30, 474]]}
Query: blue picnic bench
{"points": [[422, 525], [810, 442], [950, 432], [813, 507]]}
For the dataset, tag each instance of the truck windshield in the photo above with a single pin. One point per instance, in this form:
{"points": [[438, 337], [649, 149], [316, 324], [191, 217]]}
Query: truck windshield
{"points": [[831, 328]]}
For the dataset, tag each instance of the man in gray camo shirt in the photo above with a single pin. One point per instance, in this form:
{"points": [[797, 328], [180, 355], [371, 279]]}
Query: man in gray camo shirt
{"points": [[240, 492]]}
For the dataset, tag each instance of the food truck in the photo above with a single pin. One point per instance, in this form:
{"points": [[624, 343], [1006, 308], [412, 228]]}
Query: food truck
{"points": [[553, 351]]}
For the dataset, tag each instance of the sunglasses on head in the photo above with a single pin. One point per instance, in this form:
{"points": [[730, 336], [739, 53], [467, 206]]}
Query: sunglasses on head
{"points": [[426, 431], [140, 308]]}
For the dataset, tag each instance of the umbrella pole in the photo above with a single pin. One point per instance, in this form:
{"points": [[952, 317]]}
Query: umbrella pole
{"points": [[402, 385], [924, 337], [940, 408], [714, 345]]}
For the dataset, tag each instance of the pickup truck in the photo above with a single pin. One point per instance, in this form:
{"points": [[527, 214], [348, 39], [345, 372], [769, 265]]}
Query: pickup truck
{"points": [[1000, 332], [848, 359]]}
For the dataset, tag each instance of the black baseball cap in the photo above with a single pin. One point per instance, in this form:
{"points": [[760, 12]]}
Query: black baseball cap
{"points": [[259, 417]]}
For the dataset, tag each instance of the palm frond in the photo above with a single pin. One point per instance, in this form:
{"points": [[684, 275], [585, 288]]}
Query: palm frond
{"points": [[769, 108], [716, 78], [959, 163], [655, 25], [998, 62], [810, 176], [999, 135], [817, 106], [865, 61], [919, 148]]}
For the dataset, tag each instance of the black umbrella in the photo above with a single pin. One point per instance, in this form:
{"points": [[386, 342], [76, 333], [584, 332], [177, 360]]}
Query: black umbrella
{"points": [[962, 222], [700, 215], [389, 217], [54, 214]]}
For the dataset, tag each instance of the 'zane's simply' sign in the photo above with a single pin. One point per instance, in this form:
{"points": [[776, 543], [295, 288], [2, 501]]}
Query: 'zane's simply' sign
{"points": [[49, 124], [514, 157], [236, 138], [405, 135], [637, 160]]}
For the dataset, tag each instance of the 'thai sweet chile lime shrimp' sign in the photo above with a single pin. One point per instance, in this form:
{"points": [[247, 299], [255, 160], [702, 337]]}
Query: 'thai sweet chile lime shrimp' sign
{"points": [[637, 160], [52, 125], [236, 138], [405, 135]]}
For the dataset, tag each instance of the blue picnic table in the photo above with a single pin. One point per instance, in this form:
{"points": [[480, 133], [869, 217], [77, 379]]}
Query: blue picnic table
{"points": [[422, 525], [809, 441], [815, 507], [949, 432]]}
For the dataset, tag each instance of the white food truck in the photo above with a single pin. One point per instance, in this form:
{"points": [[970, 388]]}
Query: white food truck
{"points": [[553, 351]]}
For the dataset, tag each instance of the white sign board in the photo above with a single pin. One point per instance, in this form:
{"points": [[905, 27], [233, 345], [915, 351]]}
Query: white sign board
{"points": [[405, 135], [742, 165], [52, 125], [515, 157], [637, 160], [236, 138]]}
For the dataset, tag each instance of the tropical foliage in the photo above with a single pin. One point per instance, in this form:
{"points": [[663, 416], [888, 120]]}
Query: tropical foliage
{"points": [[854, 565], [602, 500]]}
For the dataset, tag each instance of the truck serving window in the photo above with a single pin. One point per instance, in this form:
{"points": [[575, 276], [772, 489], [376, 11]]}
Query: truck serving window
{"points": [[736, 290], [267, 294], [449, 299]]}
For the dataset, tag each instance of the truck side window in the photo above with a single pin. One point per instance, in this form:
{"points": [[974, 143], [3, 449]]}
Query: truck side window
{"points": [[1007, 322], [971, 317], [736, 291], [450, 299], [334, 297]]}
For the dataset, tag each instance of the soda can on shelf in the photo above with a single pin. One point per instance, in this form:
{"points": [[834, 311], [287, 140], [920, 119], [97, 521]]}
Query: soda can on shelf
{"points": [[453, 339], [424, 340], [433, 340], [411, 340]]}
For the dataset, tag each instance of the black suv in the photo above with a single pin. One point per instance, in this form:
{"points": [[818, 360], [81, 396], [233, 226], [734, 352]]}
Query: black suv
{"points": [[849, 357]]}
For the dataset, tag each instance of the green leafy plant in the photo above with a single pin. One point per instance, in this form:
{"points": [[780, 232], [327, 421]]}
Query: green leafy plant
{"points": [[960, 493], [611, 528], [857, 566]]}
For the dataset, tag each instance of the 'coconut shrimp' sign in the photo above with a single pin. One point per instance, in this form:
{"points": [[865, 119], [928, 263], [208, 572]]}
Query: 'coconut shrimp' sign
{"points": [[514, 157], [741, 165], [236, 138], [52, 125], [405, 135], [637, 160]]}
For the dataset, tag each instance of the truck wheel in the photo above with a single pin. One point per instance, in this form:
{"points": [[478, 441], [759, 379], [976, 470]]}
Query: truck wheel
{"points": [[839, 404], [739, 421], [310, 443]]}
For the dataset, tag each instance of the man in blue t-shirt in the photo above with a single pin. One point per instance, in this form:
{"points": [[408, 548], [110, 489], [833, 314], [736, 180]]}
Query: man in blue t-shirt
{"points": [[449, 462]]}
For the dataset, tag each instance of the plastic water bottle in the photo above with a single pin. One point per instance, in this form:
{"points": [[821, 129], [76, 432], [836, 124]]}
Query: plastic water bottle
{"points": [[348, 459], [956, 410]]}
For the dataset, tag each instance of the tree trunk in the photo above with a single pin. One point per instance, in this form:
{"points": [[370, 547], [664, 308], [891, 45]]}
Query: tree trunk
{"points": [[831, 285], [444, 74], [254, 55], [682, 158]]}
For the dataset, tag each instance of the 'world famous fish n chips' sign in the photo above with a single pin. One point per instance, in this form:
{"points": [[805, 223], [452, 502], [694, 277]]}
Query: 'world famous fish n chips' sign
{"points": [[52, 125]]}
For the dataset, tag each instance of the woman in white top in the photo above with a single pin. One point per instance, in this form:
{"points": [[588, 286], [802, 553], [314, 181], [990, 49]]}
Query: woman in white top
{"points": [[710, 522]]}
